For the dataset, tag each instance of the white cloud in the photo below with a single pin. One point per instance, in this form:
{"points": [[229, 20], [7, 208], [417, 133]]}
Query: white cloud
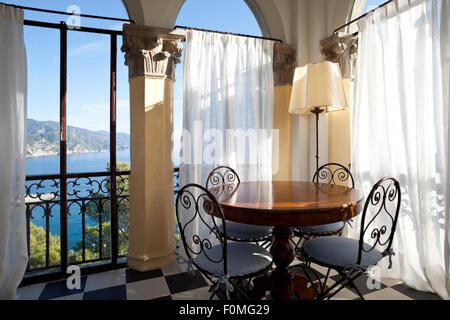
{"points": [[92, 47]]}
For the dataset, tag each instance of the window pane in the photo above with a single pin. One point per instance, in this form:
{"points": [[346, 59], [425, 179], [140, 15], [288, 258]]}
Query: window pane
{"points": [[123, 112], [88, 102], [43, 100]]}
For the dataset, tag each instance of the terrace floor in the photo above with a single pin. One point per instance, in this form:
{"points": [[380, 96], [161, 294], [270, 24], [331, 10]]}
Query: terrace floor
{"points": [[173, 283]]}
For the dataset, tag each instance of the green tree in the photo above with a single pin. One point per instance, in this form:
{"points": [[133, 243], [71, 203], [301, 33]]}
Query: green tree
{"points": [[37, 248], [92, 250]]}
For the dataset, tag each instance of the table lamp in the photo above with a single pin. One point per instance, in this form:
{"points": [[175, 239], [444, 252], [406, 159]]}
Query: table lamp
{"points": [[317, 88]]}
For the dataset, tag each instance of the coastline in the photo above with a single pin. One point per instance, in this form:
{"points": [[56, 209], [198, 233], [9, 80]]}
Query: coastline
{"points": [[52, 154]]}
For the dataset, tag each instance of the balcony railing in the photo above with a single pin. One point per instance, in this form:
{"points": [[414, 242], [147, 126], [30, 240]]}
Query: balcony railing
{"points": [[89, 238]]}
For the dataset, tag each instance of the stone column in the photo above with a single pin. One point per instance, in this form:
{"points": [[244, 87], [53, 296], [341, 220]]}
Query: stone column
{"points": [[343, 50], [283, 61], [151, 55]]}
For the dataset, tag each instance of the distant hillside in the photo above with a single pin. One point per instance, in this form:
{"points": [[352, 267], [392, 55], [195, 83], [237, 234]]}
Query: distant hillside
{"points": [[43, 139]]}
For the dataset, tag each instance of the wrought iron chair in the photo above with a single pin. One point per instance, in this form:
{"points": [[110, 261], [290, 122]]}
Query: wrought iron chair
{"points": [[226, 177], [351, 258], [332, 173], [209, 250]]}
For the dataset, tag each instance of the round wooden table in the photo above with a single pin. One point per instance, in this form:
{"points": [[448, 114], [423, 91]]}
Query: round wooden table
{"points": [[284, 205]]}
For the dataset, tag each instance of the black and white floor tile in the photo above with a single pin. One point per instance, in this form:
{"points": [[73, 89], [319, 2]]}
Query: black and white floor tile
{"points": [[173, 283]]}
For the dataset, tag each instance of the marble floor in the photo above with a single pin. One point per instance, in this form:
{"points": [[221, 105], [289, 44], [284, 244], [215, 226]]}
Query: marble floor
{"points": [[172, 282]]}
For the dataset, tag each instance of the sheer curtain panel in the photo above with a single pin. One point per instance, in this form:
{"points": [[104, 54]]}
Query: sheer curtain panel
{"points": [[400, 129], [228, 94], [228, 90], [13, 93]]}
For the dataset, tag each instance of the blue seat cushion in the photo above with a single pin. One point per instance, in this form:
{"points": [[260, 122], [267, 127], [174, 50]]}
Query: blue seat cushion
{"points": [[246, 232], [322, 229], [243, 258], [340, 252]]}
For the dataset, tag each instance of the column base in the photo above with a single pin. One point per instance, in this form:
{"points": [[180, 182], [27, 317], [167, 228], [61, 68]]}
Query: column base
{"points": [[146, 263]]}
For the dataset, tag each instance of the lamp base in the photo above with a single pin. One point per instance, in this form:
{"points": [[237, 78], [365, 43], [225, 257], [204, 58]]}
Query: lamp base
{"points": [[317, 111]]}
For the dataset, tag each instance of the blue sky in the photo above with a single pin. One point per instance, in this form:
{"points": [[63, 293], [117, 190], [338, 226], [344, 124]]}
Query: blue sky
{"points": [[88, 91], [372, 4]]}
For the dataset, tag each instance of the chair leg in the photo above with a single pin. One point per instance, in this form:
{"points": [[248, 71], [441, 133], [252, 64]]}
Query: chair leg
{"points": [[332, 294], [328, 293], [294, 244], [326, 277], [358, 274], [349, 281], [297, 245], [313, 284], [212, 295], [357, 290]]}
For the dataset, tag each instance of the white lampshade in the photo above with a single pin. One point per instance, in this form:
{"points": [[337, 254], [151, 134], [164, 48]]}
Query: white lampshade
{"points": [[317, 85]]}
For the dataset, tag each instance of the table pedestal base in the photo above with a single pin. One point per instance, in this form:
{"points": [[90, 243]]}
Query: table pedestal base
{"points": [[282, 282], [282, 278]]}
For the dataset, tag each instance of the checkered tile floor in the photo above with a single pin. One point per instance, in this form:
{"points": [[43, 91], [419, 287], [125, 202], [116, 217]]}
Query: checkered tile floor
{"points": [[173, 283]]}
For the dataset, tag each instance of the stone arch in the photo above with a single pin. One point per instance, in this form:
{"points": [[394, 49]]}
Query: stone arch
{"points": [[265, 31], [356, 11], [163, 13], [134, 11]]}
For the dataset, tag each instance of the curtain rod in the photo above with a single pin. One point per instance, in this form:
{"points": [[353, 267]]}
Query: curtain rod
{"points": [[66, 13], [63, 25], [360, 17], [231, 33]]}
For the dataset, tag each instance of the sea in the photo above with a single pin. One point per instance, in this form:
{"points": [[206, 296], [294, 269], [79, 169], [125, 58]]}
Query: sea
{"points": [[76, 163]]}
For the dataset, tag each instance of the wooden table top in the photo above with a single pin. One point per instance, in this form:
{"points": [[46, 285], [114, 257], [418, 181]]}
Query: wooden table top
{"points": [[288, 203]]}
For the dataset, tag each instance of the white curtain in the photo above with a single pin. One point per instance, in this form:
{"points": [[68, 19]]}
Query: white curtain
{"points": [[228, 93], [13, 92], [400, 129]]}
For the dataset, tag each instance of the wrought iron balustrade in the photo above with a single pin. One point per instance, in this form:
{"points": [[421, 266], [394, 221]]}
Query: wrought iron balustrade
{"points": [[176, 182], [89, 219], [42, 199]]}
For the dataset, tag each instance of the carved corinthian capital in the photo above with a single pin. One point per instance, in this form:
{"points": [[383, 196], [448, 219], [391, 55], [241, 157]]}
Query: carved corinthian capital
{"points": [[151, 51], [284, 58], [342, 50]]}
